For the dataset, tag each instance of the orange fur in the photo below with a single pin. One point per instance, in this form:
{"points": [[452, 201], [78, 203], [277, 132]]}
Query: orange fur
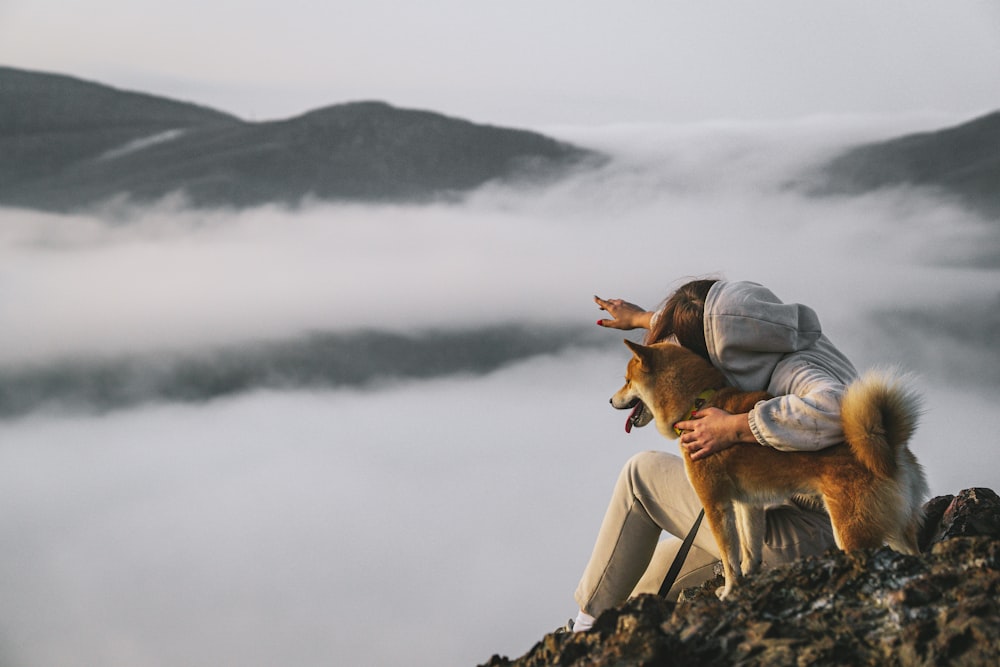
{"points": [[872, 485]]}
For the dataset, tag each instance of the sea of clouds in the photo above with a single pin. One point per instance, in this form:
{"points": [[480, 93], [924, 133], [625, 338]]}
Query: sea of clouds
{"points": [[428, 518]]}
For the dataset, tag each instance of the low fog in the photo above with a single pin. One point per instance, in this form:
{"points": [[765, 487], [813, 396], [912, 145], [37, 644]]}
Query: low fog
{"points": [[442, 509]]}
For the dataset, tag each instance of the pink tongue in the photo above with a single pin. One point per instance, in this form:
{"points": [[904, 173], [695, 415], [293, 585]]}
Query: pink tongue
{"points": [[631, 418]]}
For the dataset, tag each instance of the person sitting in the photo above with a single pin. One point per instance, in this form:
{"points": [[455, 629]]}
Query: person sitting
{"points": [[758, 343]]}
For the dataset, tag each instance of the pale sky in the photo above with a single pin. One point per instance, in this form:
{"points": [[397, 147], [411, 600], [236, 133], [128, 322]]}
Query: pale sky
{"points": [[529, 63]]}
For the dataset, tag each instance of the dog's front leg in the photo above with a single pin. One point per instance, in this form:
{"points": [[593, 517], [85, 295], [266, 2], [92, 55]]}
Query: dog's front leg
{"points": [[722, 520], [751, 523]]}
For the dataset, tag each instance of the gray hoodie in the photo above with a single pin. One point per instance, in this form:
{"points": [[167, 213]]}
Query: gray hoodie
{"points": [[760, 343]]}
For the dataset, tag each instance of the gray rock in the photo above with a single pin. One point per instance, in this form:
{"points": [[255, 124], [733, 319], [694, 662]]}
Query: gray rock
{"points": [[869, 607]]}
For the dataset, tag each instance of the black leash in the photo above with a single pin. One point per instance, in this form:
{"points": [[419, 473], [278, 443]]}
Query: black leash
{"points": [[675, 567]]}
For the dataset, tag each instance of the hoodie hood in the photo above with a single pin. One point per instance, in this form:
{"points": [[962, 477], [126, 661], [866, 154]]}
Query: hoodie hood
{"points": [[748, 330]]}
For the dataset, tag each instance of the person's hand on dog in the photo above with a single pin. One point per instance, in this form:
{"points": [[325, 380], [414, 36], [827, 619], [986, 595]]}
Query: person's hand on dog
{"points": [[624, 315], [710, 431]]}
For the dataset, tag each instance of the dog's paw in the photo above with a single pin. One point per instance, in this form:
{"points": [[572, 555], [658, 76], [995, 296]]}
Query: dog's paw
{"points": [[723, 591]]}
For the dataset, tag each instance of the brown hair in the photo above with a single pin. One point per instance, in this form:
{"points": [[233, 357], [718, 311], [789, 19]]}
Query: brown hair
{"points": [[682, 316]]}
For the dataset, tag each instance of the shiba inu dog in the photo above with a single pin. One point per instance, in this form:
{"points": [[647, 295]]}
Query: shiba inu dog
{"points": [[871, 485]]}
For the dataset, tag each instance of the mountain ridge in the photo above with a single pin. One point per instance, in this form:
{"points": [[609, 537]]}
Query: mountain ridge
{"points": [[67, 144], [98, 384], [962, 162], [35, 101]]}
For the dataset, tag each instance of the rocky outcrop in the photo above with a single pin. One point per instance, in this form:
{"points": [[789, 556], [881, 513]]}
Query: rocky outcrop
{"points": [[874, 607]]}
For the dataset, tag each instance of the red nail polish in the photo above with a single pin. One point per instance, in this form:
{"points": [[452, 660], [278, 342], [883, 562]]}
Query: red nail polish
{"points": [[600, 323]]}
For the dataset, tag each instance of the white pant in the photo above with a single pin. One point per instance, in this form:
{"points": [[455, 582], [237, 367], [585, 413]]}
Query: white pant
{"points": [[653, 495]]}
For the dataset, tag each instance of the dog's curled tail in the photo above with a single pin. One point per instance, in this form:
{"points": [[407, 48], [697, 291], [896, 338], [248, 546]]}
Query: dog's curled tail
{"points": [[879, 413]]}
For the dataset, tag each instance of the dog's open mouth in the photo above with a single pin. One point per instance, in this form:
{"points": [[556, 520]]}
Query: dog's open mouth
{"points": [[636, 416]]}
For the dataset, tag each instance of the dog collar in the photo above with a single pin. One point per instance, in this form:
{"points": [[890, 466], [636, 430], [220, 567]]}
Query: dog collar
{"points": [[703, 398]]}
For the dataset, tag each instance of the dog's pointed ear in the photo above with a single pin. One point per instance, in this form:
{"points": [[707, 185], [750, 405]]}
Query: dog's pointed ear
{"points": [[641, 353]]}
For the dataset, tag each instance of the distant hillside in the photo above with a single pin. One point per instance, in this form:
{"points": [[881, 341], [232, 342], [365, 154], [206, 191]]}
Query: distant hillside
{"points": [[316, 360], [962, 162], [50, 122], [67, 144]]}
